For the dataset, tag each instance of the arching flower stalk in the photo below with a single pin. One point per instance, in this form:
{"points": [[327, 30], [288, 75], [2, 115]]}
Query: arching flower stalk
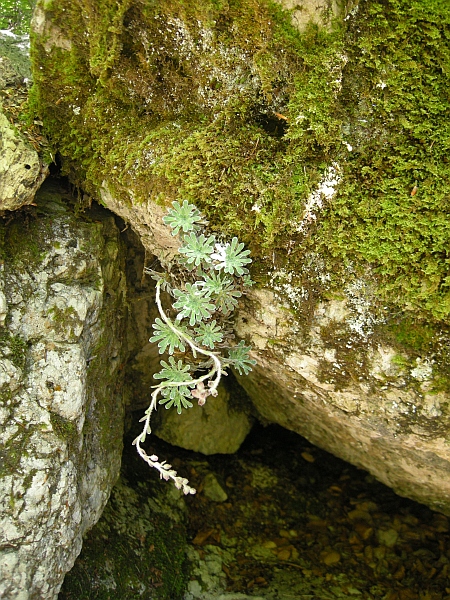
{"points": [[204, 293]]}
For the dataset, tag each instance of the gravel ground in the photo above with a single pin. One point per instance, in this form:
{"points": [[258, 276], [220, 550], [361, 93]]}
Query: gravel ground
{"points": [[299, 523], [279, 520]]}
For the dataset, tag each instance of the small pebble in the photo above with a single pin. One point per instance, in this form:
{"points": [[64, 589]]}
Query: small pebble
{"points": [[284, 554], [308, 457], [387, 537], [330, 558], [213, 490]]}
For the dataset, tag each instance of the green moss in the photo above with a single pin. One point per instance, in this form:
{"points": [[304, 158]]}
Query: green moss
{"points": [[350, 362], [62, 315], [14, 348], [12, 452], [227, 105], [21, 245], [413, 334], [130, 553], [395, 88], [401, 361], [63, 428], [65, 321]]}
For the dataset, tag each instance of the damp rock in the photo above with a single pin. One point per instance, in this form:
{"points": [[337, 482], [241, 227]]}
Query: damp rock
{"points": [[62, 406]]}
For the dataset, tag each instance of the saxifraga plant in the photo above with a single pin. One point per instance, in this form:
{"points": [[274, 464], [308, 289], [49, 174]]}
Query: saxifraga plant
{"points": [[206, 279]]}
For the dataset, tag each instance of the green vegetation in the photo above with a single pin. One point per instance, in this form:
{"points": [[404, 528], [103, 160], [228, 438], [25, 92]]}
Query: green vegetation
{"points": [[14, 348], [417, 337], [15, 15], [130, 552], [64, 428], [229, 106], [392, 212], [206, 279]]}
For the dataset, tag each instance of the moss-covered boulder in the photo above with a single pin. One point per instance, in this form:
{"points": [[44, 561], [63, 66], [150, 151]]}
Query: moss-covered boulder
{"points": [[62, 301], [22, 167], [326, 151]]}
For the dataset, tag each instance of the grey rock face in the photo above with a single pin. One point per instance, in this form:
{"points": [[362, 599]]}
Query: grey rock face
{"points": [[61, 405], [22, 171]]}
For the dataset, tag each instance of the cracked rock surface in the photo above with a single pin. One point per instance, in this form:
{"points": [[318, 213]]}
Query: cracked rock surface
{"points": [[61, 405]]}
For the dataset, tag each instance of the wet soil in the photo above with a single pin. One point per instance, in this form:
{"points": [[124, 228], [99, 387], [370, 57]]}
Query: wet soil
{"points": [[296, 512], [279, 520]]}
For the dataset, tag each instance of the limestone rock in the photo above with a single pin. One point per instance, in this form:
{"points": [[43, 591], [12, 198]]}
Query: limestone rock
{"points": [[213, 490], [61, 407], [22, 170], [337, 383], [214, 428], [281, 138], [304, 12]]}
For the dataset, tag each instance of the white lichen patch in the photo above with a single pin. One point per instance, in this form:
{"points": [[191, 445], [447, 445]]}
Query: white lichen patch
{"points": [[320, 196], [363, 317], [336, 67], [283, 282], [423, 371]]}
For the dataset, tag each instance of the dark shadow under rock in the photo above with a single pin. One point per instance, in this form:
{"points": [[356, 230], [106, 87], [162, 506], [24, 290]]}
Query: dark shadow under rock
{"points": [[293, 522]]}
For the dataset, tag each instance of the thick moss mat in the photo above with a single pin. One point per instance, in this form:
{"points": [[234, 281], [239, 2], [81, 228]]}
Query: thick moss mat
{"points": [[227, 105]]}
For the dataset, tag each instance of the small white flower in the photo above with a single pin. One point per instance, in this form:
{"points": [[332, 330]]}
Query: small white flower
{"points": [[219, 254]]}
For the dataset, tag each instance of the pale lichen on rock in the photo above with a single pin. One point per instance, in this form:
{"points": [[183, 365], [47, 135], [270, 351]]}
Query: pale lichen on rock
{"points": [[62, 426]]}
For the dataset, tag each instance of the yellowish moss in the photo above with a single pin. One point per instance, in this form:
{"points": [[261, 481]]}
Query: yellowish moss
{"points": [[227, 105]]}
